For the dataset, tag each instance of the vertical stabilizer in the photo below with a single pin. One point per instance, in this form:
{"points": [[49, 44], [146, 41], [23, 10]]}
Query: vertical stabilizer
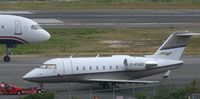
{"points": [[174, 46]]}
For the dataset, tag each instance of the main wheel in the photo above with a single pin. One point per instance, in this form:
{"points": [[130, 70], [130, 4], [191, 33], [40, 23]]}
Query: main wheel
{"points": [[106, 86], [6, 59], [39, 91], [19, 93]]}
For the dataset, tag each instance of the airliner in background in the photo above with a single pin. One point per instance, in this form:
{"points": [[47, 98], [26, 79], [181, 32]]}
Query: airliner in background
{"points": [[113, 70], [19, 30]]}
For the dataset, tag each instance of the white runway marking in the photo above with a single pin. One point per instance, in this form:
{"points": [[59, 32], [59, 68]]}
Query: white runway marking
{"points": [[129, 24], [136, 25], [49, 21], [15, 12]]}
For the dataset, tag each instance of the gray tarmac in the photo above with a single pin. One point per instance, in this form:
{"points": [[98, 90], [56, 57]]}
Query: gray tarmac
{"points": [[12, 73], [113, 18]]}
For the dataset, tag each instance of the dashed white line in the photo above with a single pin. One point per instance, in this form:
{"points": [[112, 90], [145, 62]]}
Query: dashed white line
{"points": [[16, 12]]}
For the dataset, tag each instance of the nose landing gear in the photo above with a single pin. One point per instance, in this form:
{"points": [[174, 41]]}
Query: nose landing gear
{"points": [[7, 53]]}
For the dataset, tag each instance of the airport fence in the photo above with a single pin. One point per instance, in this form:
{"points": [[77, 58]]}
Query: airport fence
{"points": [[149, 91], [122, 93]]}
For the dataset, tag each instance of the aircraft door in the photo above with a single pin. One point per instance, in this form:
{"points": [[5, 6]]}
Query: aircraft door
{"points": [[59, 67], [18, 30], [67, 66]]}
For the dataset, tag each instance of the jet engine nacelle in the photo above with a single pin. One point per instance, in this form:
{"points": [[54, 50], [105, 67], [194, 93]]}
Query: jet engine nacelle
{"points": [[150, 64], [130, 65], [134, 66]]}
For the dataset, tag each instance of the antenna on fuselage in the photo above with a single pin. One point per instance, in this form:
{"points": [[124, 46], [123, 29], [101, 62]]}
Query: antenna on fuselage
{"points": [[71, 56], [97, 56]]}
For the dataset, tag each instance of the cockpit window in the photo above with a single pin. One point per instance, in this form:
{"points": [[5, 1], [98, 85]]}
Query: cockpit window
{"points": [[35, 27], [48, 66]]}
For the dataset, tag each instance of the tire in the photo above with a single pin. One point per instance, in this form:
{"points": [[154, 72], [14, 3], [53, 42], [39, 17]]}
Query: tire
{"points": [[106, 86], [6, 59], [39, 91], [19, 93]]}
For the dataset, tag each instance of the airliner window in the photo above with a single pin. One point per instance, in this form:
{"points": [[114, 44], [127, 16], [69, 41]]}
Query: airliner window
{"points": [[42, 66], [116, 67], [83, 67], [97, 67], [48, 66], [35, 27], [103, 67], [90, 67], [76, 68]]}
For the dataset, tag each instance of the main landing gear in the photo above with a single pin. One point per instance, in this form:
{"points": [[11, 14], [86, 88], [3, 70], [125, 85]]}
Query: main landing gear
{"points": [[109, 85], [7, 53]]}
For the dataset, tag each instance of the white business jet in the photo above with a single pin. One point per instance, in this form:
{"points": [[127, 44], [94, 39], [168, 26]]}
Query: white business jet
{"points": [[109, 71], [19, 30]]}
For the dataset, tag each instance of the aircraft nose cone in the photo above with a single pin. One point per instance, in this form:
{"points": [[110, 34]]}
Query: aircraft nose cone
{"points": [[47, 36], [29, 76], [26, 77]]}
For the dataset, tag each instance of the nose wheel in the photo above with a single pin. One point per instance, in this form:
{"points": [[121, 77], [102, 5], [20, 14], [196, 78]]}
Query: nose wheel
{"points": [[6, 59], [7, 53]]}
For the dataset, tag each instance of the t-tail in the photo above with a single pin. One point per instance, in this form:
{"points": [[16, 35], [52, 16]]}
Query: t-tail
{"points": [[174, 46]]}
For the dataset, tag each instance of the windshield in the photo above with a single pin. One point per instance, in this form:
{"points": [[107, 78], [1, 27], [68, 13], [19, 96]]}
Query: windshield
{"points": [[48, 66], [35, 27]]}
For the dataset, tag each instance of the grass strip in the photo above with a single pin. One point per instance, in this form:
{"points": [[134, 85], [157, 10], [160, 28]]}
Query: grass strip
{"points": [[93, 41]]}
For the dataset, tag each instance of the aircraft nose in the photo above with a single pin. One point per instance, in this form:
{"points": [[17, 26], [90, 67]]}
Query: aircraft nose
{"points": [[30, 76], [46, 35], [27, 76]]}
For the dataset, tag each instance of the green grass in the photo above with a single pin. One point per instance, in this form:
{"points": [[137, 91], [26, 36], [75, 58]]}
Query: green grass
{"points": [[66, 42], [39, 96], [102, 5]]}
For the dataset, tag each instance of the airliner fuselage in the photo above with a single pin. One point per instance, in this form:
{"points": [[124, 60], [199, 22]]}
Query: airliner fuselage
{"points": [[91, 68], [19, 30]]}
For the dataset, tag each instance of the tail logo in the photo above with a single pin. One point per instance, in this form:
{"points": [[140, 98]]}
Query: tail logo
{"points": [[165, 53]]}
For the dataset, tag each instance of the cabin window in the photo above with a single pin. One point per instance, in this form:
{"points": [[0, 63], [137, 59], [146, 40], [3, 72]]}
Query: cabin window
{"points": [[90, 67], [35, 27], [131, 64], [77, 68], [110, 67], [97, 67], [48, 66], [104, 67], [83, 67], [2, 26]]}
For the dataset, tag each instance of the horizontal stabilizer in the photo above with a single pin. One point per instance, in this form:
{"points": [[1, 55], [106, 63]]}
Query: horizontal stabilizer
{"points": [[189, 34], [123, 81]]}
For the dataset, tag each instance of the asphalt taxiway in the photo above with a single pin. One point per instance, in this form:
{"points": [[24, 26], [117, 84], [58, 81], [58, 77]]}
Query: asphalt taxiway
{"points": [[113, 18], [13, 71]]}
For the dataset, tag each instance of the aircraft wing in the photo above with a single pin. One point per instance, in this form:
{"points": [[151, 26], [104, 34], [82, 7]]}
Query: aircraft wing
{"points": [[124, 81]]}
